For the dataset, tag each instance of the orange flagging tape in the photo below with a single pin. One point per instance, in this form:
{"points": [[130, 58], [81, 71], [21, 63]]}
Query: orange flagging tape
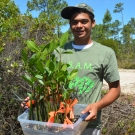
{"points": [[65, 107]]}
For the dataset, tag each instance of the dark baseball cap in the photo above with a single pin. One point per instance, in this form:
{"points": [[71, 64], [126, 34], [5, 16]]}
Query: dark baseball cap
{"points": [[67, 11]]}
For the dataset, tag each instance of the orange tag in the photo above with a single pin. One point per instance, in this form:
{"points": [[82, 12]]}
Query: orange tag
{"points": [[64, 108], [28, 103]]}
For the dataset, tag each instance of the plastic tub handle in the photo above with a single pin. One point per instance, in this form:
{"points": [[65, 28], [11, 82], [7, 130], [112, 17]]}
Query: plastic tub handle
{"points": [[83, 116]]}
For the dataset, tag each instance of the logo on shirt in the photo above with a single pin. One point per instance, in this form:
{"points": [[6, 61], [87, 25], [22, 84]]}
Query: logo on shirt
{"points": [[84, 84], [80, 66]]}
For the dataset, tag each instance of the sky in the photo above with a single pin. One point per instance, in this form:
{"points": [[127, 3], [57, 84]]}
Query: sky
{"points": [[99, 6]]}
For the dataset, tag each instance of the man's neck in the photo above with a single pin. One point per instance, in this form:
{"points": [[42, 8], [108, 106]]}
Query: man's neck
{"points": [[82, 42]]}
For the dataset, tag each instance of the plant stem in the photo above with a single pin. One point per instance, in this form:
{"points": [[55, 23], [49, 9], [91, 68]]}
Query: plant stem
{"points": [[31, 113], [37, 112]]}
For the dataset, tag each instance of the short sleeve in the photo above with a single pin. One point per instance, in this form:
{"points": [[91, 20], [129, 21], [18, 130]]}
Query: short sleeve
{"points": [[111, 73]]}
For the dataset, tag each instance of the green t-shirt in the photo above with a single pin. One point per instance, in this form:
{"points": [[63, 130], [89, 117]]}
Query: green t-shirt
{"points": [[94, 64]]}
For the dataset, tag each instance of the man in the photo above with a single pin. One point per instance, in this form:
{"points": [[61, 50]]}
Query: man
{"points": [[94, 62]]}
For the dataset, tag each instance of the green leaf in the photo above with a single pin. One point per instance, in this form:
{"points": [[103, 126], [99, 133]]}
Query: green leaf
{"points": [[47, 46], [51, 66], [28, 79], [73, 74], [63, 38], [39, 76], [53, 46], [39, 66], [67, 52], [38, 54], [57, 50], [32, 60], [57, 66], [48, 70], [41, 89], [61, 75], [33, 79], [47, 63], [44, 54], [41, 82], [24, 56], [41, 97], [64, 67], [65, 95], [54, 59], [71, 90], [1, 49], [32, 46], [50, 82]]}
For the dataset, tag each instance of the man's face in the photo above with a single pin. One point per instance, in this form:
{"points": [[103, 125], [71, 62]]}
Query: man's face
{"points": [[81, 25]]}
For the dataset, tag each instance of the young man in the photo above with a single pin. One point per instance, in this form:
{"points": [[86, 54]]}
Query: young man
{"points": [[94, 62]]}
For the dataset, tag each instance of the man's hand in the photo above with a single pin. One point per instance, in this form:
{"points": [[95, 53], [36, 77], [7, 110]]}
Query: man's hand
{"points": [[24, 103], [92, 109]]}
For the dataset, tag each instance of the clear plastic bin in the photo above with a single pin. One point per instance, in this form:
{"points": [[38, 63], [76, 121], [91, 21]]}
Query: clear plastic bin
{"points": [[31, 127]]}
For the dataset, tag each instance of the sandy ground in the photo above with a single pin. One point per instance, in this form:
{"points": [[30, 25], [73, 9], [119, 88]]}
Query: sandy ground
{"points": [[127, 81]]}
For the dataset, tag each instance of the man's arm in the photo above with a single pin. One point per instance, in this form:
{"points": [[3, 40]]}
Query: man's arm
{"points": [[110, 97]]}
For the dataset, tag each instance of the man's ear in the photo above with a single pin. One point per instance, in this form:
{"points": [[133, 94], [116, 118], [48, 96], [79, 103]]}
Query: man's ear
{"points": [[93, 23]]}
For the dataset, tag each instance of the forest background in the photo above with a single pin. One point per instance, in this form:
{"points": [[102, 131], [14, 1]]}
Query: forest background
{"points": [[16, 28]]}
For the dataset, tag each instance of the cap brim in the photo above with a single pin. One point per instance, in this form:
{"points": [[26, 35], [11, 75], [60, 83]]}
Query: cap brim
{"points": [[66, 12]]}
